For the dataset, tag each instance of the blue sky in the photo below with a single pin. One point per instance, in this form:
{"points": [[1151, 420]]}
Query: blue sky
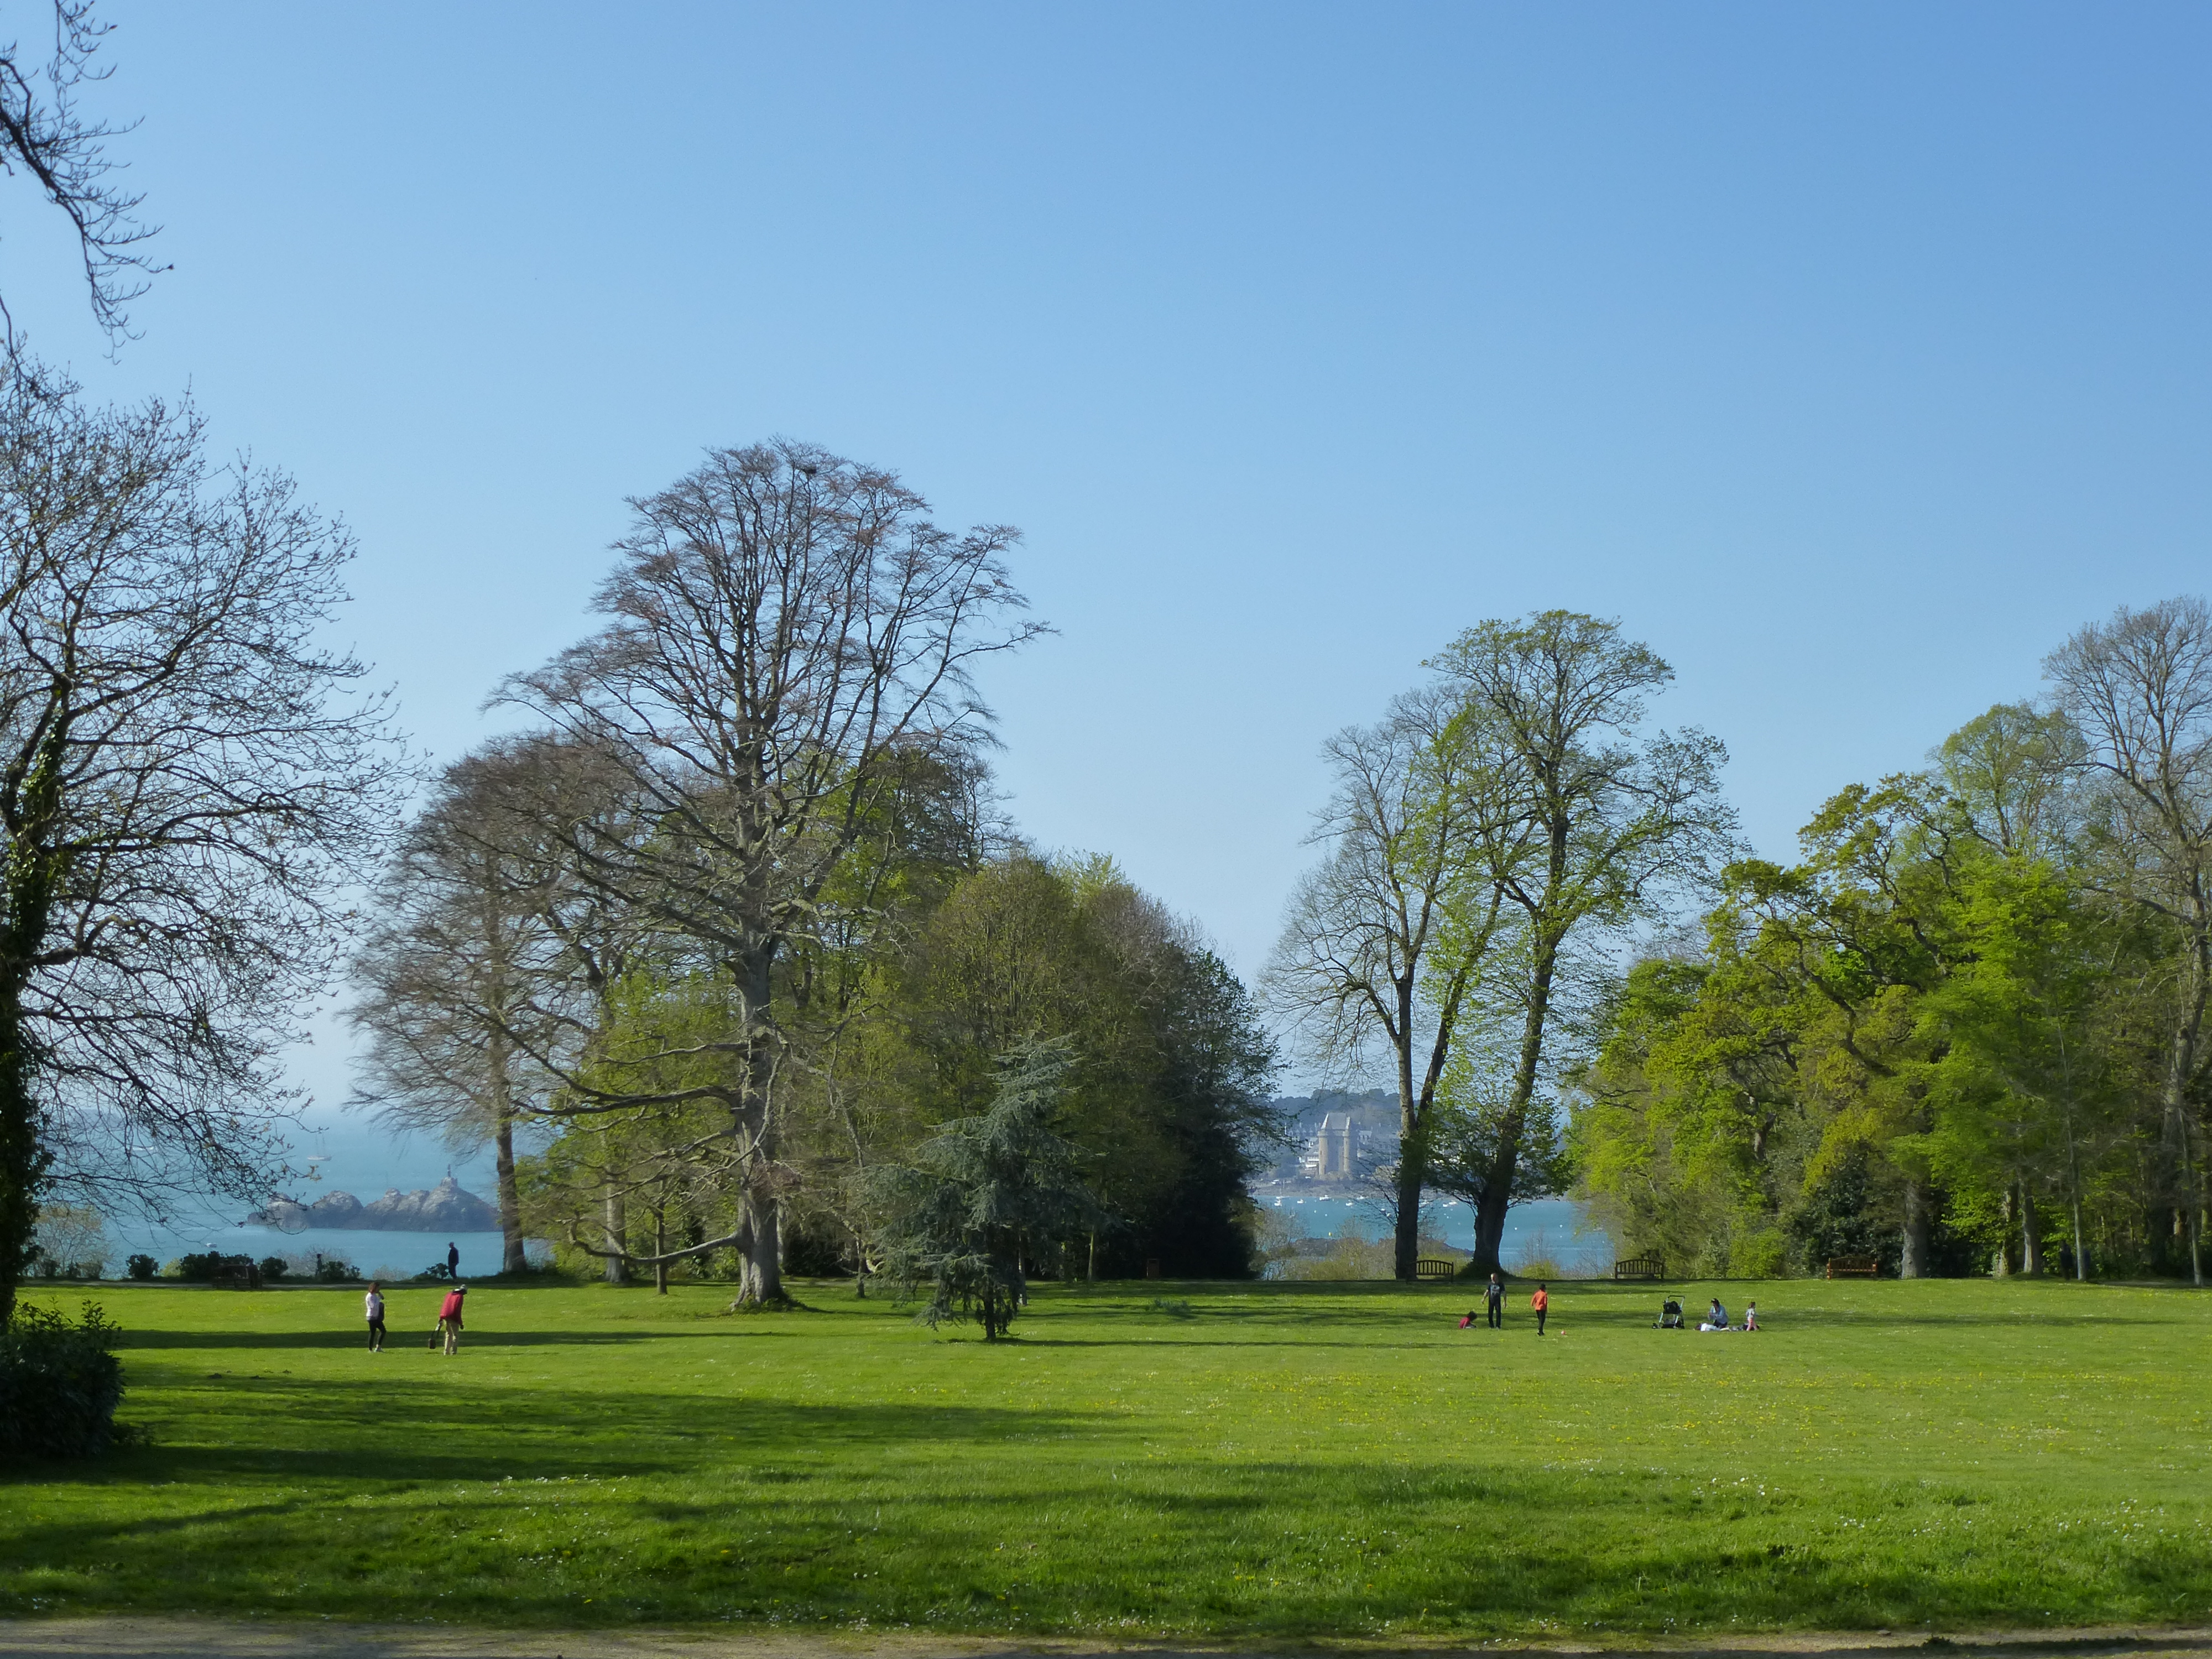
{"points": [[1850, 356]]}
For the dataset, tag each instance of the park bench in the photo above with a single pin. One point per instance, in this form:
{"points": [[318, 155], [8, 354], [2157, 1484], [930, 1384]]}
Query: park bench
{"points": [[1640, 1266], [1429, 1267], [1854, 1266]]}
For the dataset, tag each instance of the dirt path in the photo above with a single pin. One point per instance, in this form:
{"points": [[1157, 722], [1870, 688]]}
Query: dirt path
{"points": [[220, 1638]]}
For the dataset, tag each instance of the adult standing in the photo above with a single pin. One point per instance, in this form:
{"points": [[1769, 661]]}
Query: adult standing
{"points": [[372, 1305], [452, 1259], [449, 1317], [1494, 1301], [1542, 1301]]}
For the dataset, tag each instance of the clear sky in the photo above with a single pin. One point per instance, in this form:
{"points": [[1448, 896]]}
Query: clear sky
{"points": [[1852, 356]]}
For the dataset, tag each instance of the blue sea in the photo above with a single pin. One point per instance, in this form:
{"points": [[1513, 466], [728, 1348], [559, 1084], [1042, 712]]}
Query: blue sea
{"points": [[1555, 1228]]}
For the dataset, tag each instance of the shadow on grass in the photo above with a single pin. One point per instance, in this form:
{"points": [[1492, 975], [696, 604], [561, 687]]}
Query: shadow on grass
{"points": [[403, 1337], [1280, 1547], [410, 1431]]}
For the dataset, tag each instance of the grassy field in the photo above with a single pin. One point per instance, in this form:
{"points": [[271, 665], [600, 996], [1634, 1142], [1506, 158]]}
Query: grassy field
{"points": [[1215, 1461]]}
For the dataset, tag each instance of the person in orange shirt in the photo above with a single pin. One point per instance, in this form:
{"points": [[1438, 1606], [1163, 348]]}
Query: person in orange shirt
{"points": [[1542, 1301]]}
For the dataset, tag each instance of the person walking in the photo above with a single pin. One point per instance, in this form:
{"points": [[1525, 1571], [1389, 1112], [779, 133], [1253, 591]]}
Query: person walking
{"points": [[449, 1317], [1494, 1301], [452, 1259], [374, 1304], [1751, 1316], [1542, 1301]]}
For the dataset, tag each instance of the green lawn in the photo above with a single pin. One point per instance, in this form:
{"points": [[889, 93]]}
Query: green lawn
{"points": [[1244, 1461]]}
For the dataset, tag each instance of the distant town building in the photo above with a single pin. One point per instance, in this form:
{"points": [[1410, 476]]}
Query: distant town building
{"points": [[1340, 1150]]}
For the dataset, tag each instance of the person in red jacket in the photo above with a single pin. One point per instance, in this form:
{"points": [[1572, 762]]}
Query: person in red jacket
{"points": [[1542, 1301], [449, 1317]]}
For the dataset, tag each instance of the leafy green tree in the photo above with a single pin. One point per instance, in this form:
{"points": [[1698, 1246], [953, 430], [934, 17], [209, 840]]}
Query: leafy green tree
{"points": [[2027, 1092], [988, 1193]]}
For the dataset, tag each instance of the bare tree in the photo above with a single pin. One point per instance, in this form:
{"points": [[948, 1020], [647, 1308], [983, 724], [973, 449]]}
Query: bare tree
{"points": [[1613, 824], [786, 623], [476, 973], [43, 134], [1418, 800], [2139, 689], [187, 785]]}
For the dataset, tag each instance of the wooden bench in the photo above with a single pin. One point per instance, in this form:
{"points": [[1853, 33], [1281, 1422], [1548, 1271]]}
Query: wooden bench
{"points": [[1855, 1267], [237, 1273], [1430, 1267], [1640, 1266]]}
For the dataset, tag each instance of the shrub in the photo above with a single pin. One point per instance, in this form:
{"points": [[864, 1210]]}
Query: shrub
{"points": [[333, 1270], [274, 1268], [1351, 1257], [144, 1267], [59, 1384]]}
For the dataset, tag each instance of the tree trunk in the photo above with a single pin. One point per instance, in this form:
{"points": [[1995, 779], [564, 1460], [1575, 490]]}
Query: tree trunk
{"points": [[1912, 1258], [761, 1280], [2031, 1235], [33, 872], [2181, 1060], [617, 1226], [661, 1250], [2000, 1263], [22, 1160], [512, 1259], [1498, 1184]]}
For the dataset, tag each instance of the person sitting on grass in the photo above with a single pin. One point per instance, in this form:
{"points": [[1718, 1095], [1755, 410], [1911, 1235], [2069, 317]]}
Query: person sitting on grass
{"points": [[1715, 1318]]}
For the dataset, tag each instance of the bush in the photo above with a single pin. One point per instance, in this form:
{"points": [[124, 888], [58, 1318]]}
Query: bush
{"points": [[59, 1384], [332, 1271], [144, 1267], [274, 1268]]}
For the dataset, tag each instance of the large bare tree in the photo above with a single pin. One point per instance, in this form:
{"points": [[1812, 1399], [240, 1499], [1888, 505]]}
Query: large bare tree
{"points": [[1387, 938], [189, 781], [2139, 691], [480, 975], [785, 625]]}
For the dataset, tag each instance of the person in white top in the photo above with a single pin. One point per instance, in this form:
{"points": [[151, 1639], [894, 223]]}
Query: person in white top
{"points": [[374, 1304]]}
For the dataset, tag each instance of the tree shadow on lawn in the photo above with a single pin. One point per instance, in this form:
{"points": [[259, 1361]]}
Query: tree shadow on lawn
{"points": [[398, 1433], [471, 1339], [1535, 1546]]}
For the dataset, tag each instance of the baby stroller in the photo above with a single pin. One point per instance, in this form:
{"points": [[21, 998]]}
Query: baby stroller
{"points": [[1670, 1315]]}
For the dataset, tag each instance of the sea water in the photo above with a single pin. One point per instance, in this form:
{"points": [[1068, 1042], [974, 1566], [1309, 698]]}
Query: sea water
{"points": [[1557, 1230]]}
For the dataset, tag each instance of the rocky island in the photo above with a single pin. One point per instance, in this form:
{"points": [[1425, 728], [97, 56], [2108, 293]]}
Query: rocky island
{"points": [[448, 1207]]}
